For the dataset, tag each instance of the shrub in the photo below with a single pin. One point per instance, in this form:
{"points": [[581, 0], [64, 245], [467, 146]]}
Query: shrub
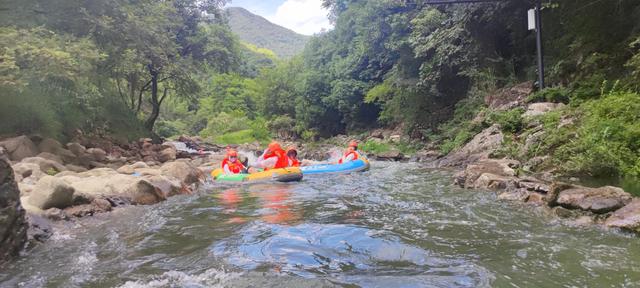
{"points": [[608, 142], [552, 94], [510, 120], [373, 146]]}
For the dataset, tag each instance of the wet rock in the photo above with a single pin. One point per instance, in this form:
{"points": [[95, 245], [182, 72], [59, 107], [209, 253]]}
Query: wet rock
{"points": [[183, 171], [627, 217], [76, 149], [97, 206], [393, 155], [510, 97], [520, 195], [597, 200], [502, 167], [554, 191], [427, 156], [55, 214], [144, 192], [97, 154], [563, 212], [533, 185], [51, 192], [584, 220], [46, 166], [168, 187], [495, 182], [536, 199], [536, 109], [19, 148], [478, 148], [39, 229], [13, 226]]}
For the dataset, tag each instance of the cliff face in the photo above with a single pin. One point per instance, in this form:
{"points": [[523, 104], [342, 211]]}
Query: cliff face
{"points": [[13, 226]]}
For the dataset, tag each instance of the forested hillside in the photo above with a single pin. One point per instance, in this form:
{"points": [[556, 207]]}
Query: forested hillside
{"points": [[130, 67], [260, 32]]}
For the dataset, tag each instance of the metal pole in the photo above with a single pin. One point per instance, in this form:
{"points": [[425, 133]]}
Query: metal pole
{"points": [[539, 45]]}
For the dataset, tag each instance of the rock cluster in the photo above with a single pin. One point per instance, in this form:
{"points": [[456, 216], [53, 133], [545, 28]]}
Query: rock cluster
{"points": [[610, 206], [13, 226]]}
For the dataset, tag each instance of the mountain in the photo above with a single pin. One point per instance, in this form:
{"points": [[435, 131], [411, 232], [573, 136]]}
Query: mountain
{"points": [[260, 32]]}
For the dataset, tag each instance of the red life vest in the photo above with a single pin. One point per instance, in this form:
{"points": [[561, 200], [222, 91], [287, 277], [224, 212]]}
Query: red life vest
{"points": [[283, 160], [355, 156], [235, 168]]}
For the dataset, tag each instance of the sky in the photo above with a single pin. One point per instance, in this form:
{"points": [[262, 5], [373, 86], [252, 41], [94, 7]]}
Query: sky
{"points": [[303, 16]]}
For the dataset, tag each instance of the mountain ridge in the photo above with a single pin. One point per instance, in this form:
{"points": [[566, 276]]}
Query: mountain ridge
{"points": [[259, 31]]}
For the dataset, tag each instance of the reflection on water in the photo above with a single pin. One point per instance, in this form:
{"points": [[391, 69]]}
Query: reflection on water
{"points": [[398, 225]]}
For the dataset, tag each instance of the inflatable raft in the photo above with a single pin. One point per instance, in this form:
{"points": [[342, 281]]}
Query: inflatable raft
{"points": [[281, 175], [351, 166]]}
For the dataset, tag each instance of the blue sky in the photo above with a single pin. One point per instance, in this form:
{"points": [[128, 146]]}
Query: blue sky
{"points": [[303, 16]]}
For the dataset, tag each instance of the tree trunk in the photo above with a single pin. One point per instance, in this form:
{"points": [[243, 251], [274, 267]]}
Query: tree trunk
{"points": [[155, 103]]}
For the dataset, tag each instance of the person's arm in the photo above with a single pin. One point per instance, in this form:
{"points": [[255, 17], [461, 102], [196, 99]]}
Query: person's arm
{"points": [[267, 163], [226, 169], [348, 158]]}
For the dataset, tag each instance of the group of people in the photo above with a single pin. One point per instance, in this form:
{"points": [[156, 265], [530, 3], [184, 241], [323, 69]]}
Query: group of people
{"points": [[274, 157]]}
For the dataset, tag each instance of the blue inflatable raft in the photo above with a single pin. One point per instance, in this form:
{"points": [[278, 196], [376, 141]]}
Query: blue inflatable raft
{"points": [[351, 166]]}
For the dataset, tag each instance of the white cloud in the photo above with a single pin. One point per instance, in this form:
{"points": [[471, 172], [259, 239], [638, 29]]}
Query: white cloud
{"points": [[303, 16]]}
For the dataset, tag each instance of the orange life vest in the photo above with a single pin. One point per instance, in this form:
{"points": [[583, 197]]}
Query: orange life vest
{"points": [[355, 156], [294, 162], [234, 167], [283, 160]]}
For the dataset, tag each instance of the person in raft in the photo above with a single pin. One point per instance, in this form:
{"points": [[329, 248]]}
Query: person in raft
{"points": [[292, 154], [351, 153], [231, 164], [274, 157]]}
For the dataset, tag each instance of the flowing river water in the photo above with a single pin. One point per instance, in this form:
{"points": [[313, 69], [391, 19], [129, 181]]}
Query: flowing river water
{"points": [[397, 225]]}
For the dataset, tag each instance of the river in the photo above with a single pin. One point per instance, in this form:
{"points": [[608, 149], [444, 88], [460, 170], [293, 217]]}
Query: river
{"points": [[397, 225]]}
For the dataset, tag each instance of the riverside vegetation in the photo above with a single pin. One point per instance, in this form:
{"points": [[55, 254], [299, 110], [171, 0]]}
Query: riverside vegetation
{"points": [[444, 84]]}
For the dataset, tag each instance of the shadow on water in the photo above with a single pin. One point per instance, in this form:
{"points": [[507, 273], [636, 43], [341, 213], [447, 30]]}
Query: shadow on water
{"points": [[397, 225]]}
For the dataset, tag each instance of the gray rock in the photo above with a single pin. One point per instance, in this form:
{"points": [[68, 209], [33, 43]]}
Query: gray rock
{"points": [[50, 146], [76, 149], [597, 200], [46, 165], [52, 157], [13, 225], [55, 214], [51, 192], [510, 97], [167, 154], [480, 147], [502, 167], [19, 148], [97, 154], [537, 109], [39, 229], [183, 171], [627, 217], [392, 155]]}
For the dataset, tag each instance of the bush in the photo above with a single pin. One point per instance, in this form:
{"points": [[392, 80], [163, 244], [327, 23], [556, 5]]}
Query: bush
{"points": [[510, 120], [552, 94], [373, 146], [608, 142]]}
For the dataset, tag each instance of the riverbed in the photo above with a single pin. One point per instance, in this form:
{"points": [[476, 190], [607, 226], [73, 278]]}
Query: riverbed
{"points": [[397, 225]]}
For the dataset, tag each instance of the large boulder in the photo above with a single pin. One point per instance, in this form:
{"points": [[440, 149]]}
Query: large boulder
{"points": [[497, 167], [51, 192], [76, 148], [97, 154], [13, 226], [478, 148], [50, 146], [391, 155], [46, 165], [144, 192], [510, 97], [167, 154], [19, 148], [50, 156], [183, 171], [627, 217], [27, 170], [536, 109], [168, 186], [597, 200]]}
